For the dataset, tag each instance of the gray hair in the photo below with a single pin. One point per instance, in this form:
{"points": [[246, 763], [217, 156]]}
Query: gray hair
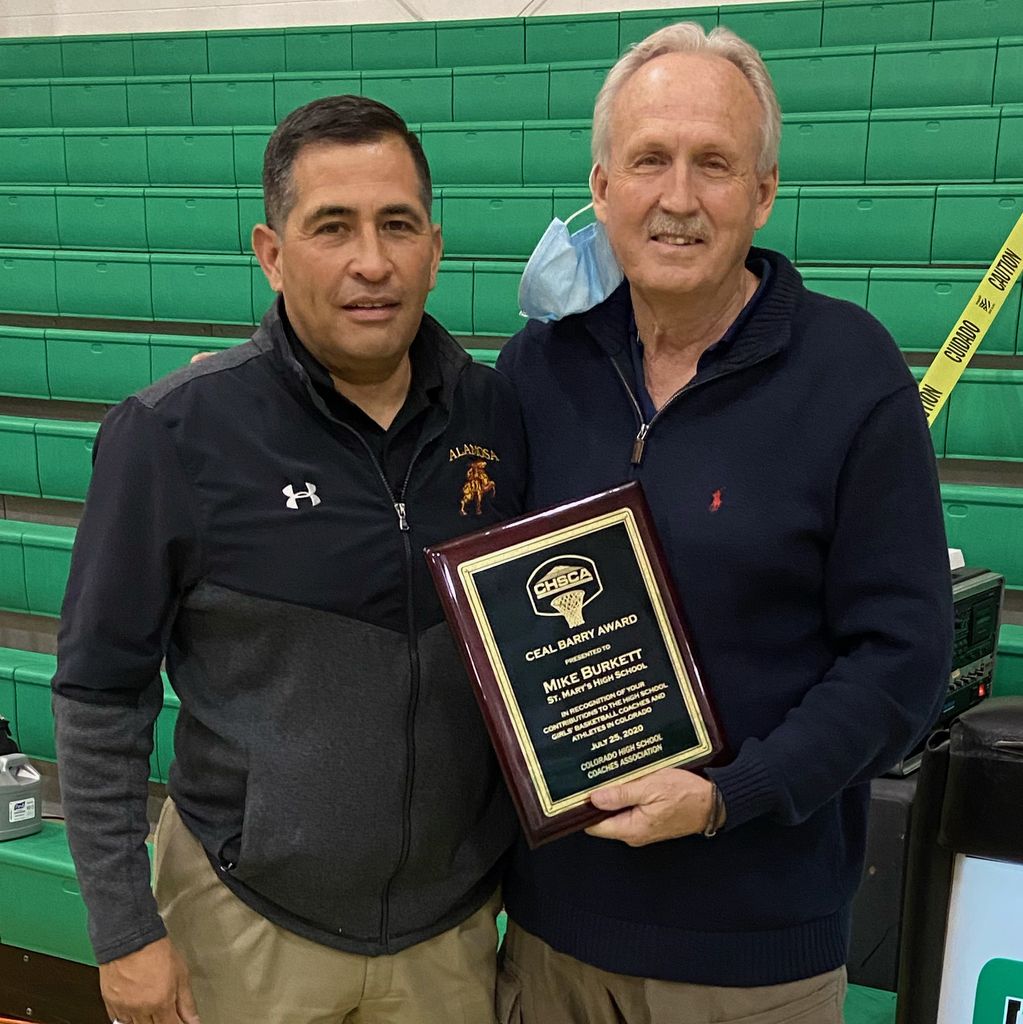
{"points": [[689, 37]]}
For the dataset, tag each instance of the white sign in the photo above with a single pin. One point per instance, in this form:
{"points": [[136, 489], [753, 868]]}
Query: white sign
{"points": [[982, 977], [24, 810]]}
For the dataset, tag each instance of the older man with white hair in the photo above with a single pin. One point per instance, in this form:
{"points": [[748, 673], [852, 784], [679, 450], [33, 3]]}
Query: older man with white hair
{"points": [[782, 446]]}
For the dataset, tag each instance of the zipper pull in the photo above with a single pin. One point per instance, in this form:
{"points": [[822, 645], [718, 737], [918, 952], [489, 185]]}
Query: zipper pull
{"points": [[399, 507], [639, 444]]}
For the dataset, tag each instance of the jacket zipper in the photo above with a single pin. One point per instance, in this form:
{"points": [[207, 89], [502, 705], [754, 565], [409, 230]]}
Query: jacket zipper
{"points": [[639, 443]]}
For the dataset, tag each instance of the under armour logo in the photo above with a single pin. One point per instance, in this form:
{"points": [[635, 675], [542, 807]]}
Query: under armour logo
{"points": [[293, 495]]}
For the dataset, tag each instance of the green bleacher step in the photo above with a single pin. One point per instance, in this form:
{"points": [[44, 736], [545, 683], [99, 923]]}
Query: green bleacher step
{"points": [[1009, 662], [568, 37], [90, 102], [492, 41], [1009, 70], [635, 26], [851, 22], [986, 523], [96, 366], [964, 19], [42, 908], [954, 73], [325, 48], [19, 465], [23, 358], [774, 26], [170, 53]]}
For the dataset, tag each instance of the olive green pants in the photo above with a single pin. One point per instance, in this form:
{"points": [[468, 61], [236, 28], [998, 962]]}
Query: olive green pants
{"points": [[538, 985], [246, 970]]}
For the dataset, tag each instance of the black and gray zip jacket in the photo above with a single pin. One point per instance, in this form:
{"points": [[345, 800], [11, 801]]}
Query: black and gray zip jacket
{"points": [[330, 756]]}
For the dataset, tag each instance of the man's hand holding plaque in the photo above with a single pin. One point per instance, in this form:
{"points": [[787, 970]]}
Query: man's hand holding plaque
{"points": [[571, 633]]}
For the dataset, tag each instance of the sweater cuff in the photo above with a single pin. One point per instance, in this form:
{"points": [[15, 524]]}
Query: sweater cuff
{"points": [[125, 947], [746, 786]]}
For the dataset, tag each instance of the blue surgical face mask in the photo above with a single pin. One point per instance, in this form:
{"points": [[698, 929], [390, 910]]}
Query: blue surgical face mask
{"points": [[568, 273]]}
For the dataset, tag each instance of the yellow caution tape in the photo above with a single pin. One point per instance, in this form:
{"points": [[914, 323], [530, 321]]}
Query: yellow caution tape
{"points": [[965, 338]]}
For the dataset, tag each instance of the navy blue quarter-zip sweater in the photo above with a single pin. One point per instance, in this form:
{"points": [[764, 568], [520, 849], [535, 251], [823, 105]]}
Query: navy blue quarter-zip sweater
{"points": [[794, 488]]}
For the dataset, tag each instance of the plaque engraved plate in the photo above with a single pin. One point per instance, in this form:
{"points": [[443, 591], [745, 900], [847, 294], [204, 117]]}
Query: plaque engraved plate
{"points": [[571, 632]]}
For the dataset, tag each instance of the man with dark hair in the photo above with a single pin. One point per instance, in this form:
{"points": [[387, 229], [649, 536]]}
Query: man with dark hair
{"points": [[337, 825]]}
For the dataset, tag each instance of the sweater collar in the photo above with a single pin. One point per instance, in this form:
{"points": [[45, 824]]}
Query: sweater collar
{"points": [[766, 331]]}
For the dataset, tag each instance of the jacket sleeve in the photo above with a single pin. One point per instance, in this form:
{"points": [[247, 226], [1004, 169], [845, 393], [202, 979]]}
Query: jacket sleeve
{"points": [[135, 552], [888, 610]]}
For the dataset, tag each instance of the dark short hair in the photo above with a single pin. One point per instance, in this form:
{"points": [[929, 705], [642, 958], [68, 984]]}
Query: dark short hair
{"points": [[348, 120]]}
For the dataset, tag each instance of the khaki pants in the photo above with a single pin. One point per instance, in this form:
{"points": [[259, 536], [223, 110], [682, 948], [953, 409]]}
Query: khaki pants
{"points": [[538, 985], [246, 970]]}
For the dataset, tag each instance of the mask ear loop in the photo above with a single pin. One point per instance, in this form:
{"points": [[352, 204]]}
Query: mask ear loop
{"points": [[589, 205]]}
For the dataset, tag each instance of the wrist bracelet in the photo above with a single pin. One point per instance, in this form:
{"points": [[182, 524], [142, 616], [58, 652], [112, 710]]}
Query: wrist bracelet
{"points": [[717, 806]]}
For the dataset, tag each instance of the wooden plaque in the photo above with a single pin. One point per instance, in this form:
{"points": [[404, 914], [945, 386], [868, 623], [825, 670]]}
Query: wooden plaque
{"points": [[571, 632]]}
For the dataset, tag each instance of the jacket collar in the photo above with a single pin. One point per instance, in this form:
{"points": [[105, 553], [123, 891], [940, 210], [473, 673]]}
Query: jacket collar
{"points": [[451, 358], [766, 332]]}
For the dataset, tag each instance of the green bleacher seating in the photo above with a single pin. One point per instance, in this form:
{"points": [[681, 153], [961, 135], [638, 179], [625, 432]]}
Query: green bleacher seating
{"points": [[987, 524], [45, 560], [501, 92], [25, 103], [635, 26], [160, 101], [13, 597], [556, 152], [42, 908], [468, 153], [27, 281], [986, 411], [494, 41], [955, 73], [328, 48], [1009, 70], [211, 289], [834, 79], [8, 708], [262, 294], [296, 88], [32, 678], [965, 19], [96, 56], [567, 37], [780, 230], [28, 216], [826, 146], [482, 222], [382, 47], [90, 102], [108, 284], [972, 221], [920, 306], [423, 95], [495, 298], [170, 53], [1010, 144], [248, 146], [1009, 663], [96, 366], [64, 454], [193, 220], [451, 301], [106, 156], [19, 466], [862, 224], [574, 88], [32, 156], [775, 26], [31, 58], [946, 144], [245, 50], [235, 99], [101, 218], [853, 22], [190, 156], [163, 752], [23, 358]]}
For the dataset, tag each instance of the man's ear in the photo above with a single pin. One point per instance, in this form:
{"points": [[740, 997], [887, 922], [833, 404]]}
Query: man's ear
{"points": [[438, 252], [267, 247], [598, 189], [767, 189]]}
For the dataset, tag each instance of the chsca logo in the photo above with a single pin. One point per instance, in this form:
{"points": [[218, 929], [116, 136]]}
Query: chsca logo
{"points": [[999, 993], [564, 586]]}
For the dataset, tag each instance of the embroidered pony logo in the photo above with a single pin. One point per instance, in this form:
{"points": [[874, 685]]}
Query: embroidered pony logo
{"points": [[477, 485]]}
